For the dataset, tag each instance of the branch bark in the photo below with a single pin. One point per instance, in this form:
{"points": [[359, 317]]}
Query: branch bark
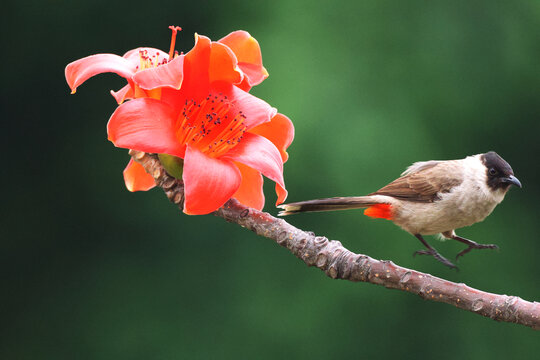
{"points": [[339, 263]]}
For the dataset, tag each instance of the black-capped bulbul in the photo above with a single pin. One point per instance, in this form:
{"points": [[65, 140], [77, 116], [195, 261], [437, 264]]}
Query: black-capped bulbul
{"points": [[432, 197]]}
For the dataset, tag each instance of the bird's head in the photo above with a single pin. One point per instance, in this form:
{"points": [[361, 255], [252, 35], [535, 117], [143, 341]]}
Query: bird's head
{"points": [[499, 173]]}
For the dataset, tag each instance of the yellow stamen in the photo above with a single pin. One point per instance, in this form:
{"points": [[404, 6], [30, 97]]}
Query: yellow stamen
{"points": [[213, 126]]}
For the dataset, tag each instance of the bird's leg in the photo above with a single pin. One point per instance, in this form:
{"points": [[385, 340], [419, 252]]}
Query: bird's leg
{"points": [[471, 244], [431, 251]]}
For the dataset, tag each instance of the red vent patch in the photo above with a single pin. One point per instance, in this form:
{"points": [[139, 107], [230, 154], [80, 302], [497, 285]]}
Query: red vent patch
{"points": [[381, 211]]}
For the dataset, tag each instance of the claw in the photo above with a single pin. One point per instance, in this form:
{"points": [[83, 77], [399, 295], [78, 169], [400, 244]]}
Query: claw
{"points": [[437, 257], [431, 251], [476, 246]]}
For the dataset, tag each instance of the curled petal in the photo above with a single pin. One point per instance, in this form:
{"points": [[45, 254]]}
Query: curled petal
{"points": [[208, 182], [255, 74], [244, 46], [146, 125], [81, 70], [170, 75], [248, 53], [123, 94], [280, 131], [281, 194], [250, 192], [260, 154], [223, 65], [244, 84], [136, 178], [196, 65]]}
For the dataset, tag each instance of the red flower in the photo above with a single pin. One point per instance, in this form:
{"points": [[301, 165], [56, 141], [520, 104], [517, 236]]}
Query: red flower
{"points": [[196, 107]]}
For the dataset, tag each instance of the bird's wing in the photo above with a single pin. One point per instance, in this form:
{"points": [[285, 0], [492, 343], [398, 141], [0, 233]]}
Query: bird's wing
{"points": [[420, 165], [423, 182]]}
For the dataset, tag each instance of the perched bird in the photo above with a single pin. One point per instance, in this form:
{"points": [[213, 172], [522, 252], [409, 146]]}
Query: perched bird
{"points": [[432, 197]]}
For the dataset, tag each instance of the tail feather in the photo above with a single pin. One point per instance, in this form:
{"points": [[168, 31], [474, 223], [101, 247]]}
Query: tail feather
{"points": [[330, 204]]}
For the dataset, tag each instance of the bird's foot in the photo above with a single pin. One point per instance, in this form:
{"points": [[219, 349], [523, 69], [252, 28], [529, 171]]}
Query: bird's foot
{"points": [[474, 245], [437, 256]]}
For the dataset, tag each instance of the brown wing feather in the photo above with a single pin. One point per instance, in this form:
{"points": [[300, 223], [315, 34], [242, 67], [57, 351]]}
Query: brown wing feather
{"points": [[424, 185]]}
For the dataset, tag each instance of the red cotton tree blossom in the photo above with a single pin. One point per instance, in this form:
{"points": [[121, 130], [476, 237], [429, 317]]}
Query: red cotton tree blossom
{"points": [[196, 107]]}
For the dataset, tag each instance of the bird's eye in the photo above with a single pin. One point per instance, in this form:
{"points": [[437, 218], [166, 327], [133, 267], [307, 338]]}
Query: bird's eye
{"points": [[492, 172]]}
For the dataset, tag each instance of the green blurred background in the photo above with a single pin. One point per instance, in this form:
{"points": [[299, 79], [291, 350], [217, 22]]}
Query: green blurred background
{"points": [[91, 271]]}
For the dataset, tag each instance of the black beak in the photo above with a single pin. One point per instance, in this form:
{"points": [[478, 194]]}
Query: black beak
{"points": [[512, 180]]}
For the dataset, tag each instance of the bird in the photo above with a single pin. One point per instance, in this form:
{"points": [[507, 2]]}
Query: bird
{"points": [[432, 197]]}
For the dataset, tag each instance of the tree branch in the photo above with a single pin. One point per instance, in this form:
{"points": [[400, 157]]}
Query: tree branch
{"points": [[339, 263]]}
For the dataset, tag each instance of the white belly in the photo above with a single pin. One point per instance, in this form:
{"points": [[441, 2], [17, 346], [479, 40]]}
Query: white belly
{"points": [[454, 210]]}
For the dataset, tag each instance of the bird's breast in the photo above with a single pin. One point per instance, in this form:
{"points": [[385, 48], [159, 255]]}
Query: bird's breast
{"points": [[465, 205]]}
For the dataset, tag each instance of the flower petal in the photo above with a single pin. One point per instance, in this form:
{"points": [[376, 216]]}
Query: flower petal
{"points": [[260, 154], [81, 70], [255, 110], [170, 75], [208, 182], [196, 83], [196, 65], [281, 194], [123, 94], [244, 84], [280, 131], [250, 192], [223, 65], [248, 53], [146, 125], [136, 178]]}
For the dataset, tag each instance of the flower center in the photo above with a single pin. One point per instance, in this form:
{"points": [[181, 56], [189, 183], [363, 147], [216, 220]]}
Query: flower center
{"points": [[212, 125], [149, 61]]}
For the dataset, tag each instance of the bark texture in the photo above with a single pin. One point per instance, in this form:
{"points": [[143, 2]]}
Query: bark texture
{"points": [[339, 263]]}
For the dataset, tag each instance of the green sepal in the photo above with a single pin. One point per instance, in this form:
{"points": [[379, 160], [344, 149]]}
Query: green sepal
{"points": [[172, 164]]}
